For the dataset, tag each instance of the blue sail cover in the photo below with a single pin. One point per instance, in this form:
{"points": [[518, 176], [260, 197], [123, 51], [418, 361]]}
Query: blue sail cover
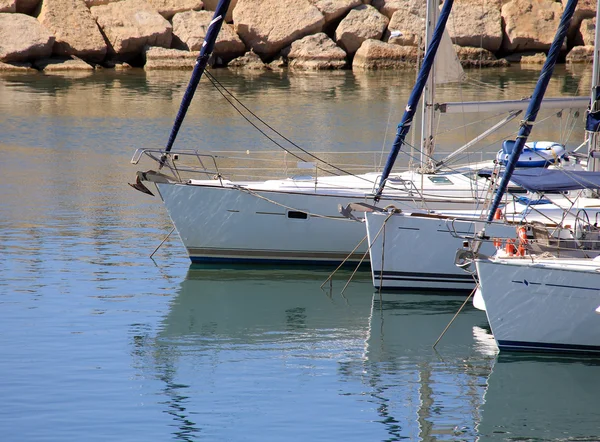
{"points": [[555, 180], [415, 95]]}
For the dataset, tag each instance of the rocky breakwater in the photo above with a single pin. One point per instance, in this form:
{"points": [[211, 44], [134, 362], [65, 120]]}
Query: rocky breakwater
{"points": [[54, 35]]}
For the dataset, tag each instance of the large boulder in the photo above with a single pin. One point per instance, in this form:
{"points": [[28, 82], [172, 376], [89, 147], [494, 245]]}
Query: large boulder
{"points": [[249, 61], [168, 8], [388, 7], [476, 23], [588, 31], [74, 28], [585, 9], [16, 67], [270, 25], [334, 9], [375, 54], [315, 52], [8, 5], [161, 58], [581, 54], [407, 25], [62, 64], [23, 38], [211, 5], [478, 57], [129, 25], [27, 6], [362, 23], [189, 30], [530, 25]]}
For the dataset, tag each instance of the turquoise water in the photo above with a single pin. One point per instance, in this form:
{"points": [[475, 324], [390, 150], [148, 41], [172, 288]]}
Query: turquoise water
{"points": [[100, 342]]}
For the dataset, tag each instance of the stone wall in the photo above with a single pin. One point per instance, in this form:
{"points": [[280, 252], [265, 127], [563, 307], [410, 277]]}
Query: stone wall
{"points": [[269, 34]]}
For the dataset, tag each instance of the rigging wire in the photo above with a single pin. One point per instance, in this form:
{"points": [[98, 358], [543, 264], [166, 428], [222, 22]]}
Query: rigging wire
{"points": [[225, 93]]}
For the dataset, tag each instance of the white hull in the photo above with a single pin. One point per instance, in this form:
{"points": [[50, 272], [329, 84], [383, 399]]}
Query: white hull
{"points": [[417, 252], [243, 223], [542, 305]]}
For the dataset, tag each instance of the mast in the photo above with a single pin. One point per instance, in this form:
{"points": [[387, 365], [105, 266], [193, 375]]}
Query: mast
{"points": [[592, 125], [415, 95], [201, 62], [534, 104], [427, 113]]}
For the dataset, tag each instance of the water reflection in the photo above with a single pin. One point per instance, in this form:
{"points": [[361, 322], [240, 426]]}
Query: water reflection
{"points": [[273, 344], [423, 394], [535, 397]]}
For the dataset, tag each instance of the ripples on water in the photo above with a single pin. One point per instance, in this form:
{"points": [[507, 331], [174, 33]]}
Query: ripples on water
{"points": [[101, 343]]}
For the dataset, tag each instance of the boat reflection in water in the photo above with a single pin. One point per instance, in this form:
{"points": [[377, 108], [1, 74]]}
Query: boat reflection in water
{"points": [[266, 354], [541, 397], [430, 395]]}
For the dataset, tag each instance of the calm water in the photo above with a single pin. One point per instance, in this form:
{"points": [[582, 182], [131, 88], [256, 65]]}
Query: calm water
{"points": [[99, 342]]}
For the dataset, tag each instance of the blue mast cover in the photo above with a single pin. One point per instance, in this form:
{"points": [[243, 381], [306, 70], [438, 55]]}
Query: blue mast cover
{"points": [[415, 96], [534, 104], [201, 62]]}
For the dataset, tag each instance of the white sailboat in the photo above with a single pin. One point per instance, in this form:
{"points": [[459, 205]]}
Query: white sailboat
{"points": [[411, 250], [541, 302], [293, 220]]}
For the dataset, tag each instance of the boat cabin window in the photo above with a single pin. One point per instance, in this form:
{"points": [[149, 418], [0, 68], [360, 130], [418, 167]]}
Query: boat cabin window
{"points": [[294, 214], [439, 180]]}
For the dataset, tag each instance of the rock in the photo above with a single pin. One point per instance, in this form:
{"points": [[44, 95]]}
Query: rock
{"points": [[211, 5], [8, 5], [249, 61], [129, 25], [27, 6], [585, 9], [315, 52], [189, 30], [530, 25], [122, 66], [16, 67], [362, 23], [581, 54], [375, 54], [62, 64], [478, 57], [75, 30], [407, 26], [588, 31], [476, 23], [23, 38], [334, 9], [538, 58], [278, 64], [161, 58], [388, 7], [270, 25], [168, 8]]}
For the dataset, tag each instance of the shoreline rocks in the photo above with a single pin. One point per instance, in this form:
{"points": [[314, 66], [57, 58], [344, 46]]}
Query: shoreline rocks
{"points": [[274, 34]]}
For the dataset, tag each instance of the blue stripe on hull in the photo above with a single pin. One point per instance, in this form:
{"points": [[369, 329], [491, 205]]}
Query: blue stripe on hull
{"points": [[273, 261], [424, 277], [546, 347]]}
